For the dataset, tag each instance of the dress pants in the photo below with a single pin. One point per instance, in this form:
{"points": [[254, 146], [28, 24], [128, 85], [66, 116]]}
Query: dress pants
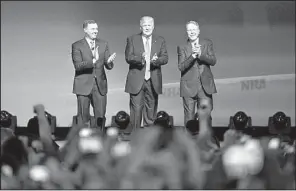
{"points": [[144, 103], [189, 103], [97, 101]]}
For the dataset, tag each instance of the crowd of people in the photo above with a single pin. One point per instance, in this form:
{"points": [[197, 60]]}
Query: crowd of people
{"points": [[155, 157]]}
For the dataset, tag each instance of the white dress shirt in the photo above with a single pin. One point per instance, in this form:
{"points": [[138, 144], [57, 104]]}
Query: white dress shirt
{"points": [[90, 45], [147, 70], [195, 43]]}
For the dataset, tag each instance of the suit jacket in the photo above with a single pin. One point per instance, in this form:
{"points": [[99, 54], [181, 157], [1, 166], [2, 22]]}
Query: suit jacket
{"points": [[191, 67], [133, 56], [85, 70]]}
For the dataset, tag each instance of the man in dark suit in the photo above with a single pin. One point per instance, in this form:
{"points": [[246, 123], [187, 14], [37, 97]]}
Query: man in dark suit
{"points": [[145, 53], [194, 61], [90, 55]]}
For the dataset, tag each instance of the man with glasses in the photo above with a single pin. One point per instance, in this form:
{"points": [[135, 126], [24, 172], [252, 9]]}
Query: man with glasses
{"points": [[195, 57]]}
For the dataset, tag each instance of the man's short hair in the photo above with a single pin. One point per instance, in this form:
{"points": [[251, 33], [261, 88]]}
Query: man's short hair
{"points": [[146, 17], [192, 22], [87, 22]]}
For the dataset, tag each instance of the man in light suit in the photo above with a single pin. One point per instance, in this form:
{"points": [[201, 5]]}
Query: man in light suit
{"points": [[145, 53], [195, 58], [90, 56]]}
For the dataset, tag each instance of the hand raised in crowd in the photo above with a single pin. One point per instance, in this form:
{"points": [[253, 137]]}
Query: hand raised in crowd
{"points": [[230, 137], [38, 108], [204, 109]]}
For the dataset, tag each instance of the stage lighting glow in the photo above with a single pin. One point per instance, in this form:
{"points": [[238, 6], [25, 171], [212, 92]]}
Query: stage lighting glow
{"points": [[240, 120], [6, 119], [162, 119], [280, 120], [122, 119]]}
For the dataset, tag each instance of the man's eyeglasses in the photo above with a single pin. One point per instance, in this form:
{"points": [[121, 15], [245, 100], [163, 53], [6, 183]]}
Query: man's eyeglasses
{"points": [[193, 30]]}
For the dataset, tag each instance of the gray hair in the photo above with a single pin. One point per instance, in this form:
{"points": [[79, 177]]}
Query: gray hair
{"points": [[146, 17], [87, 22], [192, 22]]}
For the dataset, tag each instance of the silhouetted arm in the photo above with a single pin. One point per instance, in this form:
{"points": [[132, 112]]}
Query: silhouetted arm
{"points": [[44, 129]]}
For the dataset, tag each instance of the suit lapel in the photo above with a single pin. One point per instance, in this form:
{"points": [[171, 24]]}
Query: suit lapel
{"points": [[203, 51], [97, 45], [153, 41], [203, 45], [87, 48], [188, 48], [141, 44]]}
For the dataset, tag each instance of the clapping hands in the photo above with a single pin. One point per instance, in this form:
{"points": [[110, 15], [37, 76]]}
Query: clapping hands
{"points": [[111, 58], [154, 58], [196, 50]]}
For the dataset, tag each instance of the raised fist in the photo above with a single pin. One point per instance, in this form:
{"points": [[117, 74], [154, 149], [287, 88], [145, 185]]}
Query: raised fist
{"points": [[39, 108]]}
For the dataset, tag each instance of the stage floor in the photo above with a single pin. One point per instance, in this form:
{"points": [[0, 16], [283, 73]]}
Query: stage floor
{"points": [[273, 93]]}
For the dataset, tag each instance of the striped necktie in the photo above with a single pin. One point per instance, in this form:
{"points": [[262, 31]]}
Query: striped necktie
{"points": [[148, 51], [92, 47]]}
